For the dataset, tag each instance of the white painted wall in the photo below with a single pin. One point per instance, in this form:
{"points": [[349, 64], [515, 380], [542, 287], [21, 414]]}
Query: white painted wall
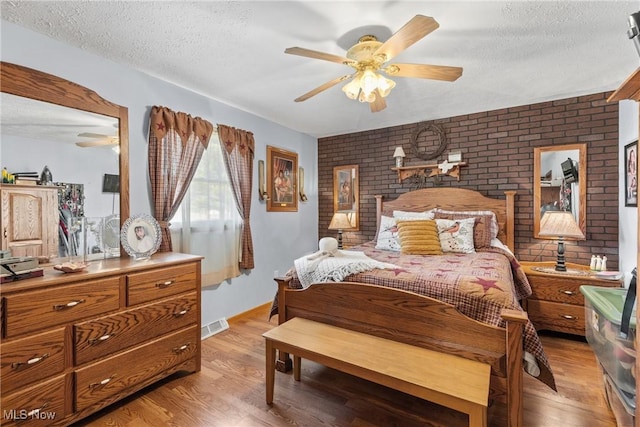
{"points": [[628, 216], [278, 237]]}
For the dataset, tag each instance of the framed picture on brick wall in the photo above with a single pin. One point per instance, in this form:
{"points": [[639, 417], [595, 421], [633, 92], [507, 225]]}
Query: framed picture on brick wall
{"points": [[346, 194], [631, 174]]}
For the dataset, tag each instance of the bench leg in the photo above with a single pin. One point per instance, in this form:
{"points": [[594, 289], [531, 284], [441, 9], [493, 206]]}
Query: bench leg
{"points": [[270, 369], [478, 416], [296, 367]]}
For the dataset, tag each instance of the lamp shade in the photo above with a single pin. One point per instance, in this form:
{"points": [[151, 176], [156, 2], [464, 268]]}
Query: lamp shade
{"points": [[399, 152], [559, 224], [340, 221]]}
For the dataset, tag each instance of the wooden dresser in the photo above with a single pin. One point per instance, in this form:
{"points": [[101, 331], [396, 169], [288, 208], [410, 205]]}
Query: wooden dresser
{"points": [[75, 343], [557, 303]]}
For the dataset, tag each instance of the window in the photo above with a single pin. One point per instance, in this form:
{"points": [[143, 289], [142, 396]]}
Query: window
{"points": [[207, 222]]}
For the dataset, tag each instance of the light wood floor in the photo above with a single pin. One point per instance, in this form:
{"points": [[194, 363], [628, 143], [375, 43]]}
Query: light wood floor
{"points": [[230, 391]]}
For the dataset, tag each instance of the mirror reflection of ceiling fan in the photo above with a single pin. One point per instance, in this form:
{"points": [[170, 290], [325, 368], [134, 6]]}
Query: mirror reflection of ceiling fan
{"points": [[369, 57], [100, 140]]}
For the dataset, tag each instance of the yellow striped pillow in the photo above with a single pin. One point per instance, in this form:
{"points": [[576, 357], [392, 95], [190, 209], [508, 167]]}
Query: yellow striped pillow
{"points": [[419, 237]]}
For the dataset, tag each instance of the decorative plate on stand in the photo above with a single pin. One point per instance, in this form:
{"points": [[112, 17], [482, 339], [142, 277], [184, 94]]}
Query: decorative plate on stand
{"points": [[111, 236], [141, 236]]}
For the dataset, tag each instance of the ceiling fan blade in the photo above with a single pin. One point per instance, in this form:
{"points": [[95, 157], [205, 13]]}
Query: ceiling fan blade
{"points": [[379, 104], [100, 143], [322, 88], [424, 71], [93, 135], [418, 27], [318, 55]]}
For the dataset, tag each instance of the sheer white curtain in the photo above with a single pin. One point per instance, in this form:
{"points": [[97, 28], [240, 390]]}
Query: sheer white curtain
{"points": [[208, 222]]}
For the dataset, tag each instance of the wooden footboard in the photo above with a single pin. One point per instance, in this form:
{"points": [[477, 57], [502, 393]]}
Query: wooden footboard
{"points": [[417, 320]]}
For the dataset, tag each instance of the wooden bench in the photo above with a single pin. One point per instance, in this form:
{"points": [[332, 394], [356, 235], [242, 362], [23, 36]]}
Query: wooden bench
{"points": [[450, 381]]}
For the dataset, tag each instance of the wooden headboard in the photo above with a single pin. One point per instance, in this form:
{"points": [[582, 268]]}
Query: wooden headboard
{"points": [[454, 199]]}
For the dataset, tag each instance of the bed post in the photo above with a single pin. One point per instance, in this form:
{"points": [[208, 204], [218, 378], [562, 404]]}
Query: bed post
{"points": [[284, 362], [516, 321], [510, 229]]}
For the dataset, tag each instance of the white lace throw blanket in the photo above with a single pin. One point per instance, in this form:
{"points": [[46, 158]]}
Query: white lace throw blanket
{"points": [[334, 267]]}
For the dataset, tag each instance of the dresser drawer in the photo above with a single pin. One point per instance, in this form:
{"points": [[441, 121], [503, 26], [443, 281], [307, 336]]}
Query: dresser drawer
{"points": [[31, 359], [40, 405], [557, 289], [109, 377], [100, 337], [555, 316], [160, 283], [36, 310]]}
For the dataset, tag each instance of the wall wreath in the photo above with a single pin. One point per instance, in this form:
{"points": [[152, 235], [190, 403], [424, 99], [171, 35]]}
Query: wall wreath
{"points": [[438, 130]]}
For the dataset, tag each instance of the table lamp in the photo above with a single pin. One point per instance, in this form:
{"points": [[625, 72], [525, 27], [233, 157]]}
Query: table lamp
{"points": [[560, 224], [340, 221], [399, 156]]}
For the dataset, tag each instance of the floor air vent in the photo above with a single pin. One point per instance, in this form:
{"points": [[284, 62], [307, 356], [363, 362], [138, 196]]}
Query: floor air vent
{"points": [[213, 328]]}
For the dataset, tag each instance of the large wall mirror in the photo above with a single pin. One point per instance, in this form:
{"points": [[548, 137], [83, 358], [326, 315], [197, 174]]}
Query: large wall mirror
{"points": [[560, 183], [80, 137]]}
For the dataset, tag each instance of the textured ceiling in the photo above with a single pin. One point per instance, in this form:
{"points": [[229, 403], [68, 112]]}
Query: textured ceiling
{"points": [[513, 53]]}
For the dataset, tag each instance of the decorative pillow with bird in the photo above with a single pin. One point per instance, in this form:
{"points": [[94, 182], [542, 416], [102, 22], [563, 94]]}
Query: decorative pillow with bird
{"points": [[456, 235]]}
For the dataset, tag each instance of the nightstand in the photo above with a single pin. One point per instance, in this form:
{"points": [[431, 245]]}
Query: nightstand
{"points": [[557, 303]]}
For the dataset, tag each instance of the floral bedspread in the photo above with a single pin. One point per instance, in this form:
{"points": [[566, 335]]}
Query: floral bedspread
{"points": [[479, 285]]}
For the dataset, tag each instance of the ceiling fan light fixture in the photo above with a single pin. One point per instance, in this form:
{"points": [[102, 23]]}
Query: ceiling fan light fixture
{"points": [[364, 85]]}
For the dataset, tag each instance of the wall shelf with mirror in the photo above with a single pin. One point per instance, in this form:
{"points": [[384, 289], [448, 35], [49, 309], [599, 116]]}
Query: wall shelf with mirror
{"points": [[560, 183], [56, 122]]}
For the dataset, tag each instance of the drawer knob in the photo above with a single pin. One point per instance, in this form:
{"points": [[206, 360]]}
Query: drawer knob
{"points": [[60, 307], [567, 292], [182, 348], [32, 361], [103, 338], [163, 285], [102, 383], [34, 412], [181, 313], [568, 317]]}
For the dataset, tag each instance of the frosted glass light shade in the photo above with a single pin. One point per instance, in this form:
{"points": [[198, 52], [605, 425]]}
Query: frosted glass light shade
{"points": [[352, 89], [385, 85]]}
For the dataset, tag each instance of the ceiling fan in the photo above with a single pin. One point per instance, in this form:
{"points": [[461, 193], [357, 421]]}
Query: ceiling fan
{"points": [[102, 140], [369, 57]]}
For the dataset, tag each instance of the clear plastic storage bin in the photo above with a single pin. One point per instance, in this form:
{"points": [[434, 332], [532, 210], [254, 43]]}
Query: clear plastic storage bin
{"points": [[603, 316]]}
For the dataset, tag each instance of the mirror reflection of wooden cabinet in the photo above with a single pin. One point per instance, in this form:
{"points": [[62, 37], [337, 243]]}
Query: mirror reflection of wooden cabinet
{"points": [[28, 85], [560, 183], [29, 220]]}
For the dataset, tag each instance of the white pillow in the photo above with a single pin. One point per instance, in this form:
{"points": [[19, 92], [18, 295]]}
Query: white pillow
{"points": [[456, 235], [413, 215], [388, 235]]}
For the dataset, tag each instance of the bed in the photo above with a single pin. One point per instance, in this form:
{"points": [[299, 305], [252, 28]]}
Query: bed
{"points": [[471, 301]]}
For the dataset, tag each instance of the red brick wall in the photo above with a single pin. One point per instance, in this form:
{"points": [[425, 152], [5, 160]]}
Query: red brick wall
{"points": [[498, 147]]}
